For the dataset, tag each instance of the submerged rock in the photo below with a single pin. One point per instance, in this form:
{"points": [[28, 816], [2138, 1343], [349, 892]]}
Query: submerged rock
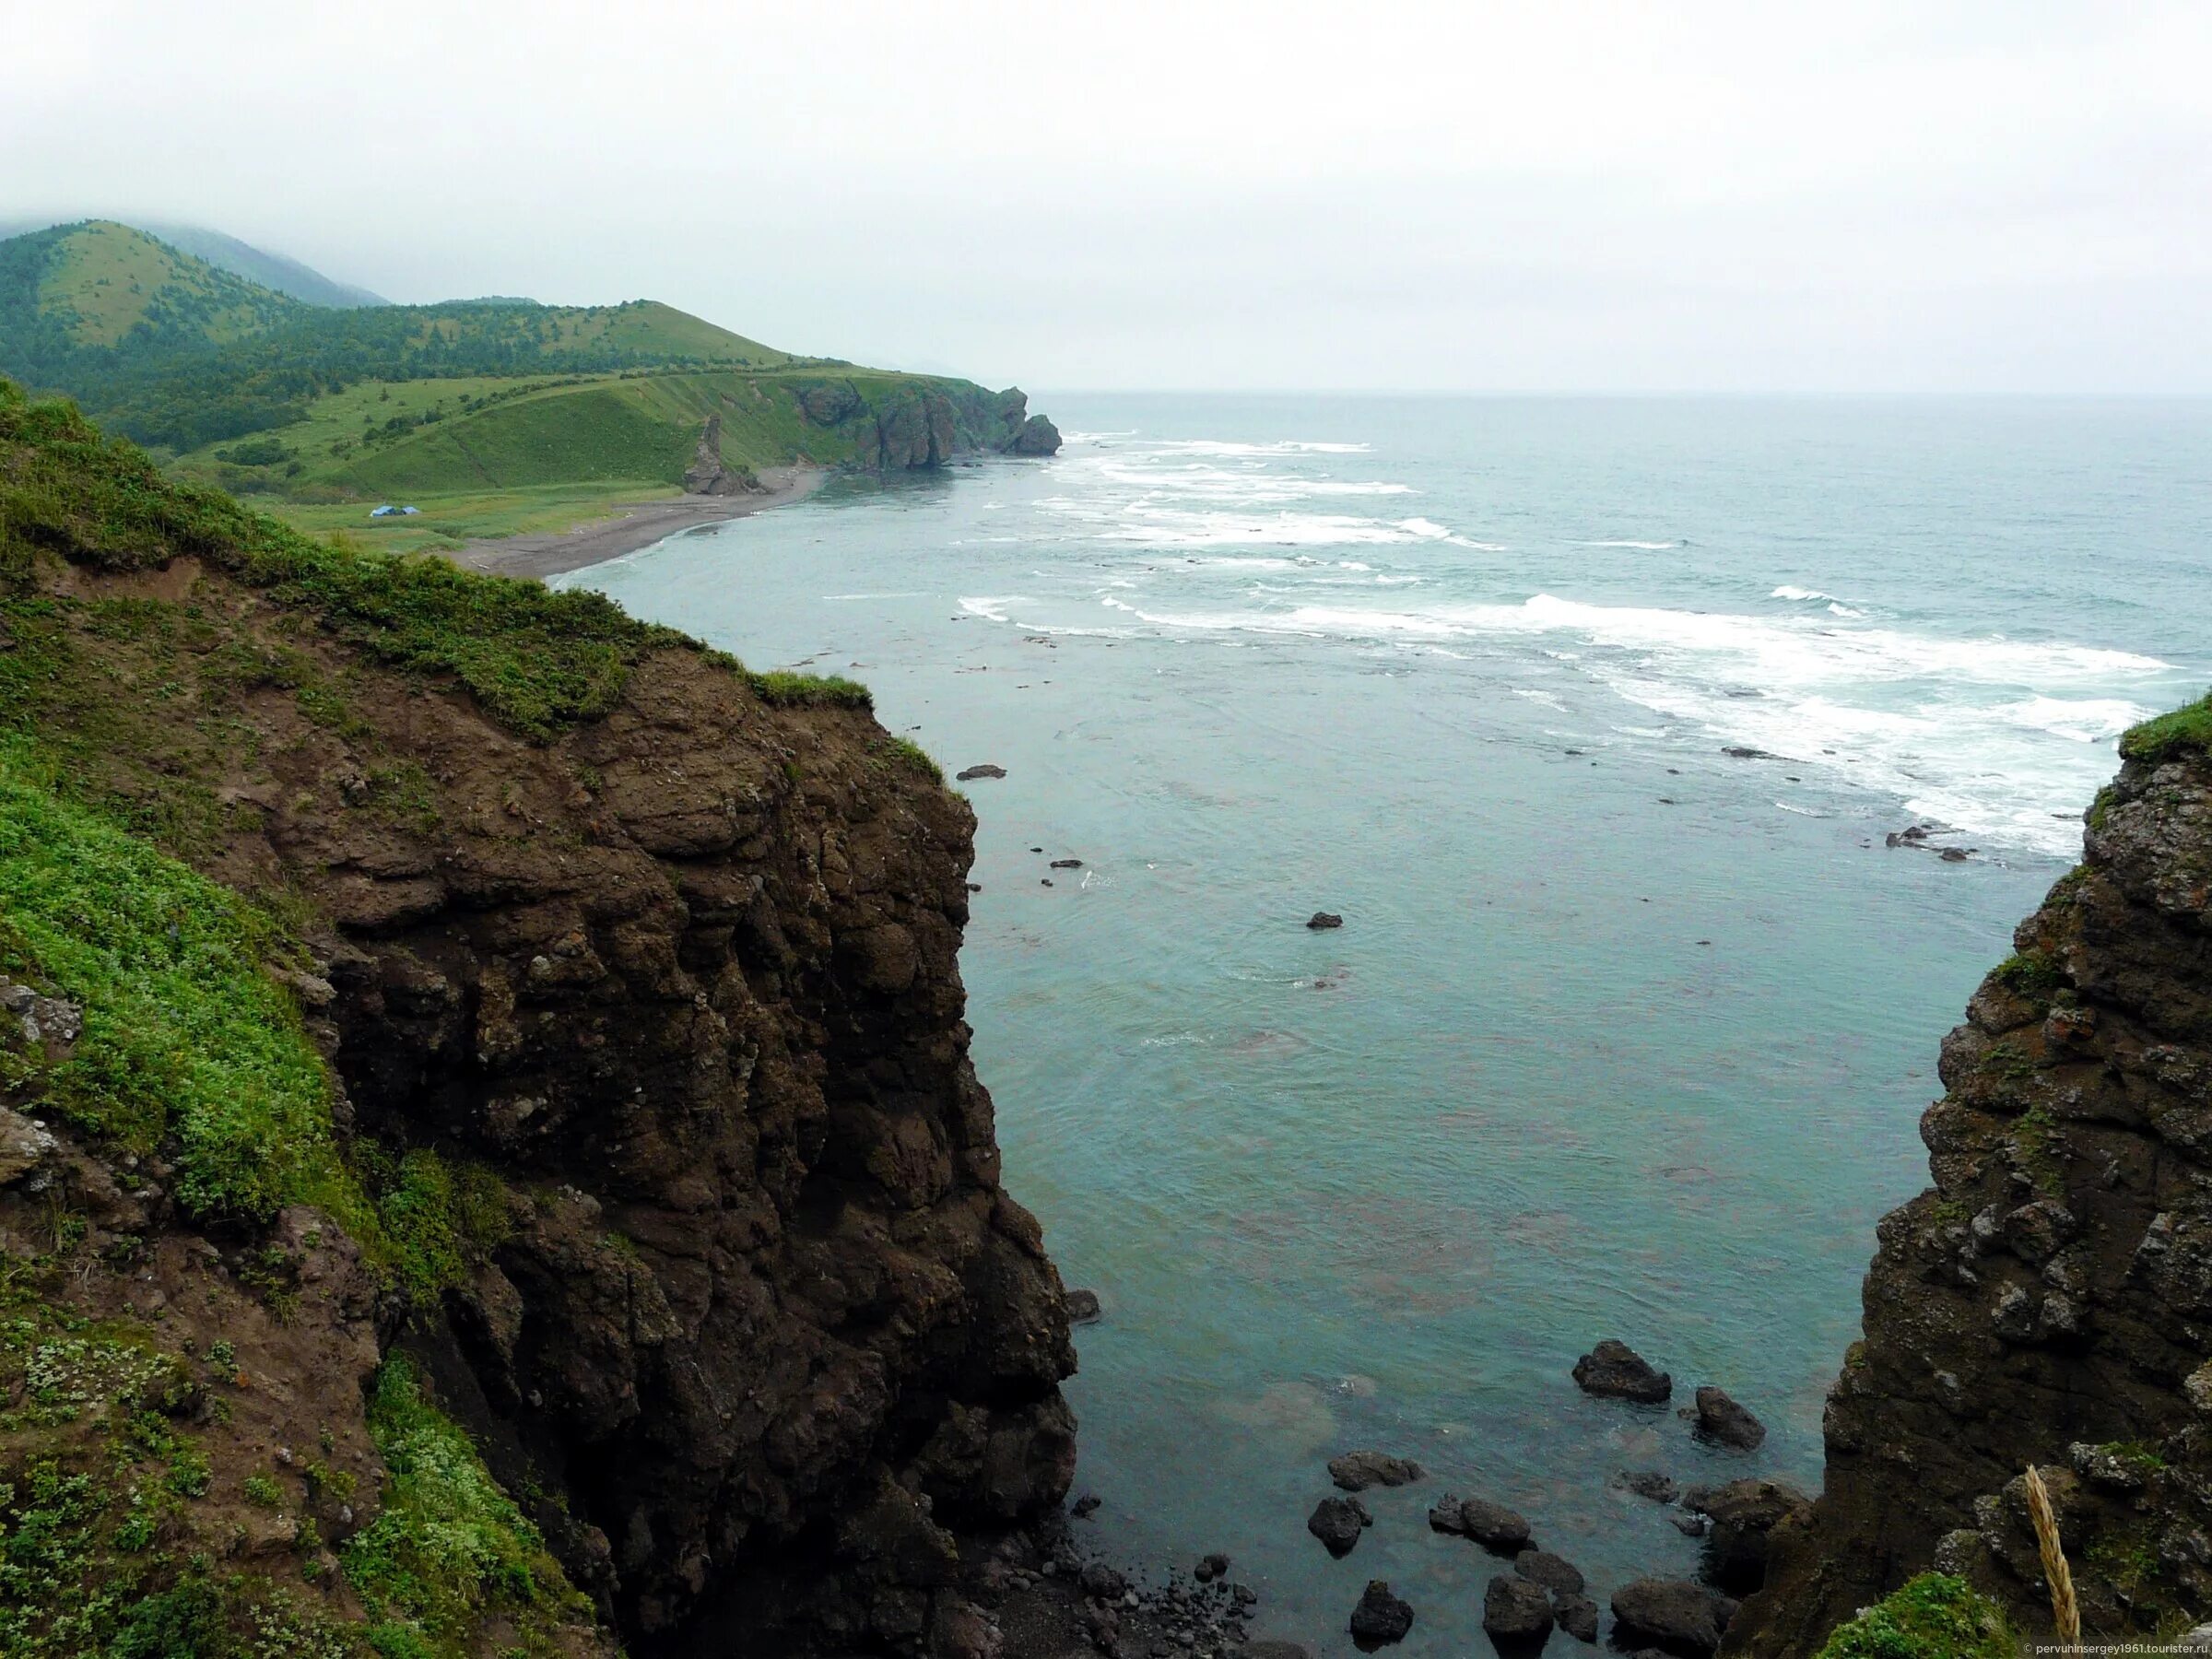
{"points": [[1380, 1616], [1724, 1422], [1356, 1471], [1337, 1522], [1615, 1370], [970, 774], [1649, 1483], [1577, 1615], [1556, 1573]]}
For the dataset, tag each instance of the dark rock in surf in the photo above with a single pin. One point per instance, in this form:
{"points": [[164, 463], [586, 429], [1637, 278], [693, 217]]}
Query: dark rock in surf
{"points": [[1380, 1617], [1493, 1526], [1356, 1471], [1067, 864], [1741, 1515], [1083, 1307], [1673, 1615], [985, 770], [1515, 1612], [1615, 1370], [1338, 1521], [1742, 752], [1724, 1423], [1324, 919], [1210, 1566]]}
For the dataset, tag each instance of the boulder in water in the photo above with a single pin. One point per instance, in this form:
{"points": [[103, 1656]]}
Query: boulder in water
{"points": [[1380, 1617], [1614, 1371]]}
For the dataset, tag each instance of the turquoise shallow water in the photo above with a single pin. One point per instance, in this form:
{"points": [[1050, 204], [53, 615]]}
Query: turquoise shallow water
{"points": [[1622, 1035]]}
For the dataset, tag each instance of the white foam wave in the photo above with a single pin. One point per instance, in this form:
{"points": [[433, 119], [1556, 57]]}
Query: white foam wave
{"points": [[1961, 729], [1787, 592], [1645, 547], [1147, 525], [1288, 446]]}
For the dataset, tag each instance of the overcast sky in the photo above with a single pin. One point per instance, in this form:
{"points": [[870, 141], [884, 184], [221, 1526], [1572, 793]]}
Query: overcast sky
{"points": [[1551, 194]]}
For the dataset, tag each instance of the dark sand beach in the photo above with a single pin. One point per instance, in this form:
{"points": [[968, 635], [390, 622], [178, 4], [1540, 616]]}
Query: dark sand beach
{"points": [[549, 552]]}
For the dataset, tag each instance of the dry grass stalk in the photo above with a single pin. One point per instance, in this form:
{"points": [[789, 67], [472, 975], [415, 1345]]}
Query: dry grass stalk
{"points": [[2065, 1611]]}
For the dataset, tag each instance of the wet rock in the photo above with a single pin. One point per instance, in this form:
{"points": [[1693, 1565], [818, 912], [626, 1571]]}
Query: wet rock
{"points": [[1516, 1611], [1648, 1483], [1356, 1471], [1067, 864], [1739, 751], [1615, 1370], [1691, 1526], [1724, 1423], [1577, 1615], [1102, 1581], [1674, 1614], [1556, 1573], [1322, 919], [985, 771], [1275, 1650], [1446, 1515], [1741, 1515], [1083, 1307], [1493, 1526], [1380, 1617], [1210, 1566], [1085, 1506], [1337, 1522]]}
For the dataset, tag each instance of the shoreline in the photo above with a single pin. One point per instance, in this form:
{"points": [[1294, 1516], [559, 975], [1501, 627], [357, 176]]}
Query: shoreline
{"points": [[539, 554]]}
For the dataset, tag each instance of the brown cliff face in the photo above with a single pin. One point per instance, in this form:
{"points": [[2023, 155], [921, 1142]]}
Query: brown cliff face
{"points": [[2049, 1300], [760, 1322]]}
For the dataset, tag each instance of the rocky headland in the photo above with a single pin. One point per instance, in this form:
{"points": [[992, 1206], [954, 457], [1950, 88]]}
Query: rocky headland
{"points": [[475, 1062]]}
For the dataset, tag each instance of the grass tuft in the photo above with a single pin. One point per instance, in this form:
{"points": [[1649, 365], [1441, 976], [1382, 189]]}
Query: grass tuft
{"points": [[1931, 1616], [2183, 731]]}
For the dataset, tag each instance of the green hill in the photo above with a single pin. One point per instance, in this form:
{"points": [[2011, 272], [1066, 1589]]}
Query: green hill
{"points": [[236, 384]]}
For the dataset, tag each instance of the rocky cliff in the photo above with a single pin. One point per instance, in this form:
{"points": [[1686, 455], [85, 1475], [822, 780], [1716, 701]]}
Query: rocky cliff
{"points": [[912, 423], [2048, 1300], [556, 1071]]}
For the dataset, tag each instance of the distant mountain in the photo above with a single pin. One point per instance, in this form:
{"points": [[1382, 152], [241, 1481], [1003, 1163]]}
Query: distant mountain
{"points": [[273, 271]]}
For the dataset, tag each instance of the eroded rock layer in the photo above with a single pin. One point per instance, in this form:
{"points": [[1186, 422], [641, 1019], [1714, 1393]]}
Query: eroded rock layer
{"points": [[2049, 1300]]}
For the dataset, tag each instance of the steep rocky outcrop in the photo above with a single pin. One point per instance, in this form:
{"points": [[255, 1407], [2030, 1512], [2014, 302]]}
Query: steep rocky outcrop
{"points": [[636, 981], [2049, 1300], [911, 424], [708, 475]]}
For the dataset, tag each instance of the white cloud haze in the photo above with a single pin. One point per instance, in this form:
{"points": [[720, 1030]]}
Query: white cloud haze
{"points": [[1889, 197]]}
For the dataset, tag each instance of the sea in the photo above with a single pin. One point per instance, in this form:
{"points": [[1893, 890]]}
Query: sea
{"points": [[1593, 720]]}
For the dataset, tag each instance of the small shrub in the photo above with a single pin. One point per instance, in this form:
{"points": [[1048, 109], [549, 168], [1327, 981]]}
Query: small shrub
{"points": [[1932, 1616]]}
